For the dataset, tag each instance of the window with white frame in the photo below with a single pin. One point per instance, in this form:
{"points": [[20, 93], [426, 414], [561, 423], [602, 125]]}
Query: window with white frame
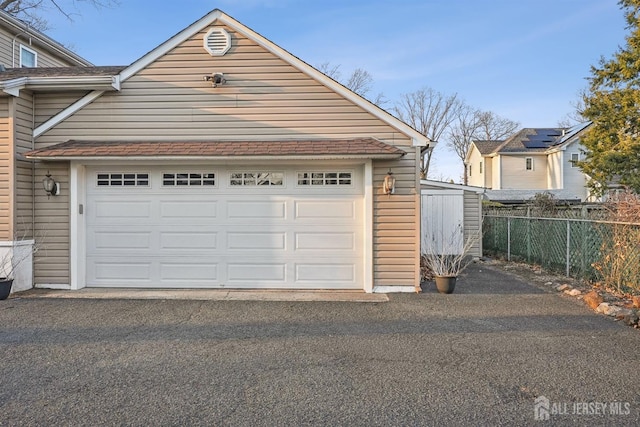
{"points": [[248, 179], [28, 57], [528, 163], [188, 179], [325, 178], [575, 157], [122, 179]]}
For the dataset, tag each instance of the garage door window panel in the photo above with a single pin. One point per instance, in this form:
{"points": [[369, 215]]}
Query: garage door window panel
{"points": [[188, 179], [317, 179], [122, 179], [252, 179]]}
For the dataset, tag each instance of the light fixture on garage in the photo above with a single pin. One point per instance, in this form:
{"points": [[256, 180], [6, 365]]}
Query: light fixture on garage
{"points": [[389, 184], [216, 79], [50, 186]]}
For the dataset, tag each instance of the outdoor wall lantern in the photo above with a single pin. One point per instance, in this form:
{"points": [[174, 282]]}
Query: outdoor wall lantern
{"points": [[50, 186], [389, 184]]}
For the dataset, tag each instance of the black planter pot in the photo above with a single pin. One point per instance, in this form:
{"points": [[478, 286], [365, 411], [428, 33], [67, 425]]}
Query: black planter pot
{"points": [[445, 284], [5, 288]]}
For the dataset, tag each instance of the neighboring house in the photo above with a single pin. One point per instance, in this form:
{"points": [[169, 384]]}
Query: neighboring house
{"points": [[533, 160], [216, 160]]}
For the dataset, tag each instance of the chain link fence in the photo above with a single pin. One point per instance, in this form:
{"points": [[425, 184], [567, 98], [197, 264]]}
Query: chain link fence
{"points": [[570, 246]]}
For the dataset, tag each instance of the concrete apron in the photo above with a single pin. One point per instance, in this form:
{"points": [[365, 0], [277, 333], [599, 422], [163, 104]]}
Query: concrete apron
{"points": [[205, 295]]}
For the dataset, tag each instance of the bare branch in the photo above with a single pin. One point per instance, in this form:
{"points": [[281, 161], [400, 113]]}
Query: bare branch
{"points": [[430, 113]]}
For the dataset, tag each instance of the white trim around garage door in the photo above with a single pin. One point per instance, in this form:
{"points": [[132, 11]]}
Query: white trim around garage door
{"points": [[78, 206]]}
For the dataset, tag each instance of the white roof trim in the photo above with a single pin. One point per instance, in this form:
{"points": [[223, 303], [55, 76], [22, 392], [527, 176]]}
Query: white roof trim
{"points": [[216, 15], [223, 158], [72, 109], [14, 86], [450, 186]]}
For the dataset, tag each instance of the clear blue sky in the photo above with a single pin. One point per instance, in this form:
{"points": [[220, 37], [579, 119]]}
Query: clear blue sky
{"points": [[525, 60]]}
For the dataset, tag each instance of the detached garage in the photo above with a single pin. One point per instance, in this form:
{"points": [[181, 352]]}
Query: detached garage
{"points": [[221, 162]]}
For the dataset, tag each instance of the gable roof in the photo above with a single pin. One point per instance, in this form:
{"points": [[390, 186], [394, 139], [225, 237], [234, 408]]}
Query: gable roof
{"points": [[220, 17], [17, 26], [533, 140], [369, 148], [487, 147]]}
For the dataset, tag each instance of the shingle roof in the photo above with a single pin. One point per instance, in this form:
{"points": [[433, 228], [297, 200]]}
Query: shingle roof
{"points": [[14, 73], [531, 140], [363, 147], [487, 147]]}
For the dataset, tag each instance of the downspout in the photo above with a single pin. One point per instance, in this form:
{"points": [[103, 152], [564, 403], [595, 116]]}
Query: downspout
{"points": [[13, 47]]}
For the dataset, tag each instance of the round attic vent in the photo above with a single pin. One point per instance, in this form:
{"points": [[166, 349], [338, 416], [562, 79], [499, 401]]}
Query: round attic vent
{"points": [[217, 41]]}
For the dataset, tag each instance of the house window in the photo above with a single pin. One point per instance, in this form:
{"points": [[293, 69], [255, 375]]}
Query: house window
{"points": [[28, 57], [469, 170], [188, 179], [575, 157], [123, 180], [324, 178], [248, 179], [529, 163], [480, 171]]}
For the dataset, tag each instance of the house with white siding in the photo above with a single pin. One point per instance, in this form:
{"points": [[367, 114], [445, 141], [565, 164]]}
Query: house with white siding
{"points": [[216, 160], [533, 160]]}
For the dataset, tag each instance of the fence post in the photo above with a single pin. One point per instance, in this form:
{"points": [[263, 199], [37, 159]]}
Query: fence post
{"points": [[528, 239], [568, 247], [508, 238]]}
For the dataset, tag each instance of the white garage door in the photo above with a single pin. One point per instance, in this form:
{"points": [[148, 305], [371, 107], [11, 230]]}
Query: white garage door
{"points": [[219, 227]]}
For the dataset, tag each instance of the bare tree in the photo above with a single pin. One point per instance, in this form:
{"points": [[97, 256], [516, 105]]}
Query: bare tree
{"points": [[330, 70], [574, 117], [494, 128], [360, 81], [473, 124], [462, 132], [33, 12], [431, 113]]}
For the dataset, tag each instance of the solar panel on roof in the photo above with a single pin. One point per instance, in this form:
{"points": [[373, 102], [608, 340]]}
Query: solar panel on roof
{"points": [[535, 144]]}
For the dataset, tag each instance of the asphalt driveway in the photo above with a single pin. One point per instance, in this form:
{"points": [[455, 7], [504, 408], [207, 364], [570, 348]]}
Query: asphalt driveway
{"points": [[480, 356]]}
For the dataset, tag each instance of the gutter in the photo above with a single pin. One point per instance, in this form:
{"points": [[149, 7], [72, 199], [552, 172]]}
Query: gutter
{"points": [[221, 158]]}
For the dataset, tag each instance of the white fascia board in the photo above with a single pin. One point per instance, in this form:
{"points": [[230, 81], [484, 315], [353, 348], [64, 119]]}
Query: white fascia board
{"points": [[451, 186], [13, 87], [215, 158], [67, 112]]}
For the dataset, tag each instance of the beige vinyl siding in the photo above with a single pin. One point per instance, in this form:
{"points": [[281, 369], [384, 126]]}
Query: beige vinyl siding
{"points": [[473, 220], [574, 179], [554, 171], [6, 181], [264, 98], [475, 178], [496, 172], [45, 58], [514, 175], [23, 199]]}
